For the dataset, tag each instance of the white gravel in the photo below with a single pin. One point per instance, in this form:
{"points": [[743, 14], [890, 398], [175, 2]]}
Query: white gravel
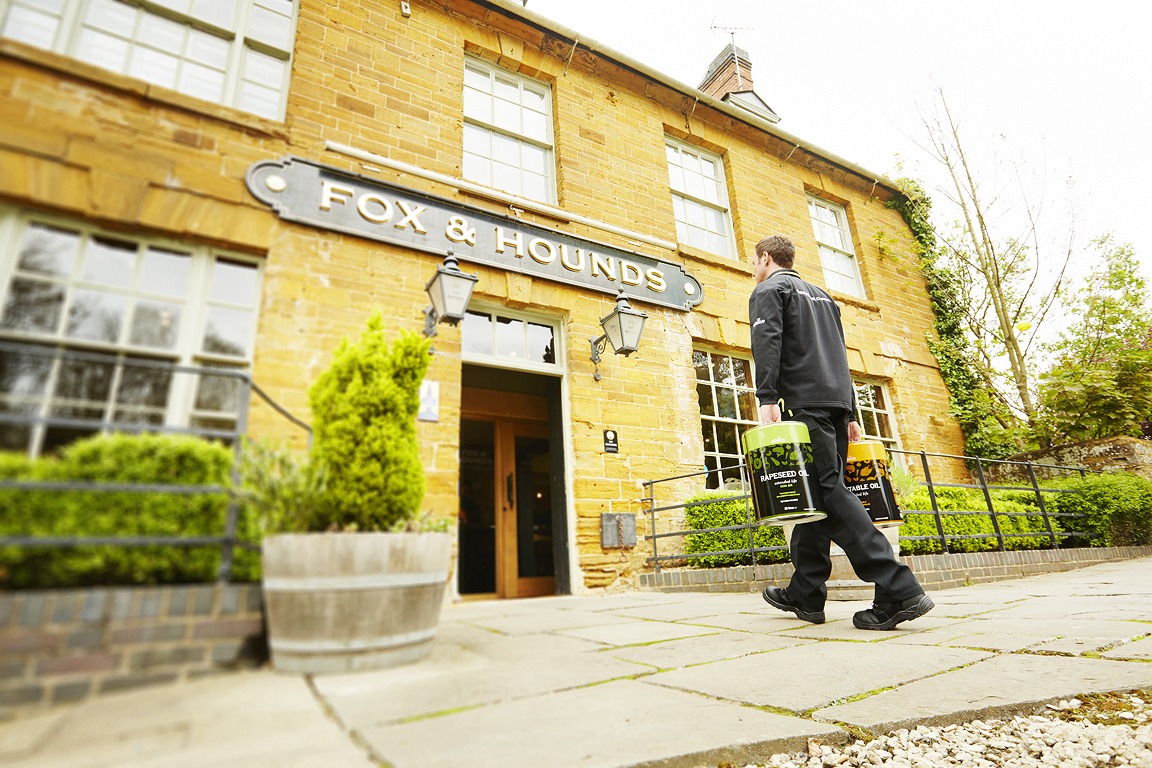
{"points": [[1046, 741]]}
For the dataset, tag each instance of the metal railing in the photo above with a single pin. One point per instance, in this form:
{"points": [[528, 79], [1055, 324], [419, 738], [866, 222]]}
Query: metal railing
{"points": [[228, 540], [750, 524]]}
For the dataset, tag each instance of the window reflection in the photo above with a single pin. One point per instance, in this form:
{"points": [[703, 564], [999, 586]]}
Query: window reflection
{"points": [[509, 338], [541, 344], [32, 305], [227, 331], [22, 376], [109, 262], [165, 272], [155, 324], [95, 315], [49, 250], [218, 393], [476, 333], [82, 389], [234, 283]]}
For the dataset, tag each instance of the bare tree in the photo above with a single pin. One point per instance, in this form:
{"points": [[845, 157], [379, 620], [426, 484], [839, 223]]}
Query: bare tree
{"points": [[1008, 274]]}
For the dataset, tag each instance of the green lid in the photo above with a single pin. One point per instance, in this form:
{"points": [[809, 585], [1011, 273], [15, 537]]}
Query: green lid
{"points": [[773, 434]]}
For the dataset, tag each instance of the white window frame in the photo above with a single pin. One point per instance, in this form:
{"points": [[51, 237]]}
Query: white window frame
{"points": [[714, 200], [242, 34], [492, 360], [180, 409], [488, 126], [833, 254], [744, 398], [866, 406]]}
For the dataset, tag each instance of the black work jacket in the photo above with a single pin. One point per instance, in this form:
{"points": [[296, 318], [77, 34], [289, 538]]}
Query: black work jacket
{"points": [[798, 345]]}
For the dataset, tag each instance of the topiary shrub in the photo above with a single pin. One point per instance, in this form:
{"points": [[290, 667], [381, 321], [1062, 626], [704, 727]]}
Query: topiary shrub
{"points": [[962, 499], [137, 459], [1117, 509], [364, 420], [719, 514]]}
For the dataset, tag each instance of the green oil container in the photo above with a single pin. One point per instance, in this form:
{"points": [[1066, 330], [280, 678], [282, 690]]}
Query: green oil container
{"points": [[783, 477]]}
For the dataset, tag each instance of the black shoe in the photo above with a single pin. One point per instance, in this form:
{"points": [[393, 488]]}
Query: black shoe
{"points": [[778, 598], [888, 615]]}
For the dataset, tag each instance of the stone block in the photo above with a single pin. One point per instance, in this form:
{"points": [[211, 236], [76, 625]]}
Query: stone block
{"points": [[25, 694], [230, 599], [94, 606], [166, 657], [202, 600], [67, 665], [226, 652], [122, 604], [253, 598], [149, 604], [27, 642], [178, 601], [112, 684], [11, 669], [64, 609], [227, 628], [74, 691], [84, 638], [149, 633], [33, 610], [6, 603]]}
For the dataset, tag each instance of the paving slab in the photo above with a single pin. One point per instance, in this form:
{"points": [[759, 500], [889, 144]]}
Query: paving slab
{"points": [[963, 610], [999, 687], [809, 676], [1086, 607], [1051, 628], [997, 642], [419, 690], [623, 723], [1141, 649], [748, 622], [547, 621], [681, 611], [845, 630], [1075, 646], [637, 632], [690, 651], [258, 718]]}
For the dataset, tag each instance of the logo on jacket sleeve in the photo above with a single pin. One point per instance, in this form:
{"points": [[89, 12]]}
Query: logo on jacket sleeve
{"points": [[759, 321]]}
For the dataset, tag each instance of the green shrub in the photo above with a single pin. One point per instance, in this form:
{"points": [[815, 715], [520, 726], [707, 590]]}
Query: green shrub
{"points": [[723, 513], [963, 499], [137, 459], [364, 416], [284, 491], [1117, 509]]}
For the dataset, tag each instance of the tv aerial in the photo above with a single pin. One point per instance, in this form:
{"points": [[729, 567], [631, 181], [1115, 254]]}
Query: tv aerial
{"points": [[732, 31]]}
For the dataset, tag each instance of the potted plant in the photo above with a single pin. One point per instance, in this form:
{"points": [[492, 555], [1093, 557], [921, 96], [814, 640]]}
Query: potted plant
{"points": [[350, 580]]}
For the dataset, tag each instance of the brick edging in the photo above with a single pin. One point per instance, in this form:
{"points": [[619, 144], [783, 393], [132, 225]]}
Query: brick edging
{"points": [[934, 571], [59, 646]]}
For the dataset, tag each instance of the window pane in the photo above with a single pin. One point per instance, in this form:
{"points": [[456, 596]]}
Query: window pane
{"points": [[218, 393], [477, 140], [748, 409], [726, 403], [102, 51], [49, 250], [477, 105], [32, 305], [541, 343], [534, 159], [165, 272], [22, 374], [234, 283], [227, 331], [272, 28], [509, 338], [868, 423], [506, 115], [155, 324], [96, 315], [259, 100], [476, 333], [218, 12], [700, 361], [161, 33], [31, 27], [722, 369], [201, 82], [506, 177], [534, 187], [475, 77], [878, 397], [507, 88], [153, 66], [505, 150], [535, 125], [477, 168], [83, 383], [709, 436], [110, 16], [704, 394], [206, 49], [143, 386], [726, 438], [109, 262], [263, 69]]}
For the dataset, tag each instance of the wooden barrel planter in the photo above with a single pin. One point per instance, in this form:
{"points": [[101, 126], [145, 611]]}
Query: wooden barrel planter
{"points": [[339, 602]]}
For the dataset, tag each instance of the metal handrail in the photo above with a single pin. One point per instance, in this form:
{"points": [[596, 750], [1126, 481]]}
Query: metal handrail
{"points": [[228, 541], [1048, 532]]}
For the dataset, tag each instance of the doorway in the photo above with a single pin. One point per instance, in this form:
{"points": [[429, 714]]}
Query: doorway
{"points": [[512, 527]]}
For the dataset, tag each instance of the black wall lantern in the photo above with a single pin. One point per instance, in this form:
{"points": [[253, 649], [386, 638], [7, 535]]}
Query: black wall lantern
{"points": [[449, 290], [622, 329]]}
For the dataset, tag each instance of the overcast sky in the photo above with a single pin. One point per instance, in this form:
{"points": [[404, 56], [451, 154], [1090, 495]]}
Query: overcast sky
{"points": [[1066, 87]]}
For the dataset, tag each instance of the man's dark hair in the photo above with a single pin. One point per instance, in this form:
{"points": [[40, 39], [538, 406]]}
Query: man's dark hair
{"points": [[779, 248]]}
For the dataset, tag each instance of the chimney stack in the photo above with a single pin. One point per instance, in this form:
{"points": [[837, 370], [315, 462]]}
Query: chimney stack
{"points": [[730, 72]]}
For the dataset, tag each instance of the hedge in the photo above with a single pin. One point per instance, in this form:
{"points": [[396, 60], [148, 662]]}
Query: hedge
{"points": [[138, 459], [723, 513], [1117, 509], [958, 499]]}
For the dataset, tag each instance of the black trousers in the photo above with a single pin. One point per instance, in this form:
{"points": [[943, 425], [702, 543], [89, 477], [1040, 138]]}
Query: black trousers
{"points": [[847, 524]]}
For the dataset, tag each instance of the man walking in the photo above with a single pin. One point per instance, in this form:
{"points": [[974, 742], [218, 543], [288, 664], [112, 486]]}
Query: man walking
{"points": [[800, 355]]}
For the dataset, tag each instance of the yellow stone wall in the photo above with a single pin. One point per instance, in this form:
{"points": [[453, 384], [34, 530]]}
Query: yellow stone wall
{"points": [[125, 154]]}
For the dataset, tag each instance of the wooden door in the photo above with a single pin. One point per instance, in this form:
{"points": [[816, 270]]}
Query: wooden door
{"points": [[506, 501]]}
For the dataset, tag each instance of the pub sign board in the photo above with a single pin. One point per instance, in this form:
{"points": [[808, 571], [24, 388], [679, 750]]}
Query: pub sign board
{"points": [[319, 195]]}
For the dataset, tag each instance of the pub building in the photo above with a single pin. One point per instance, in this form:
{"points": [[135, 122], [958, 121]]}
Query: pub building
{"points": [[238, 184]]}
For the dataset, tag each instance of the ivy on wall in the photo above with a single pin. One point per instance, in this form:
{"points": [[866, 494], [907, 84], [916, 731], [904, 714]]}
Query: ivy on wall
{"points": [[985, 432]]}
